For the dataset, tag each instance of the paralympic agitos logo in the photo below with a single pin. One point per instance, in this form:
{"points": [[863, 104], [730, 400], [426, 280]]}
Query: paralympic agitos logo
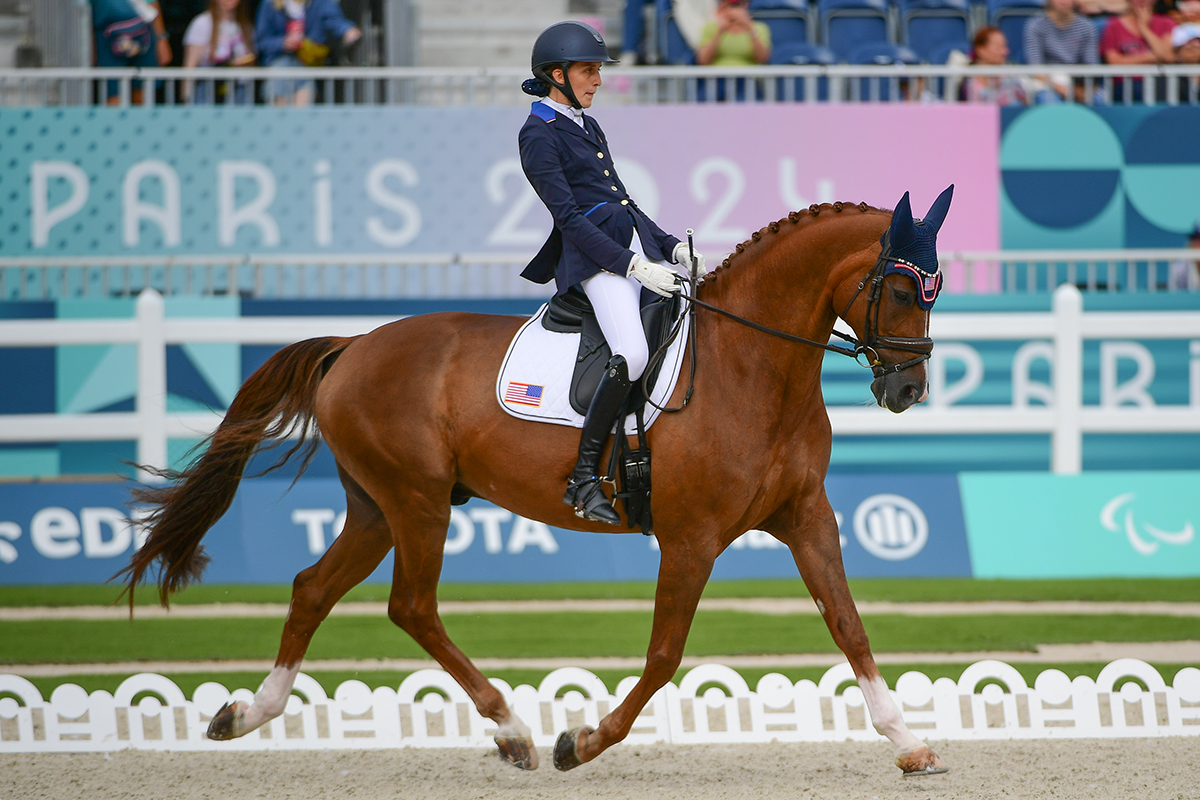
{"points": [[1143, 537]]}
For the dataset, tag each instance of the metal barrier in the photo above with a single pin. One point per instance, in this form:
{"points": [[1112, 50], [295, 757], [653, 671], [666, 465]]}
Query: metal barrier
{"points": [[497, 275], [1065, 328], [1096, 85]]}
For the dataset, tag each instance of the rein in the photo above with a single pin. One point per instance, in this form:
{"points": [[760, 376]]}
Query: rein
{"points": [[867, 347]]}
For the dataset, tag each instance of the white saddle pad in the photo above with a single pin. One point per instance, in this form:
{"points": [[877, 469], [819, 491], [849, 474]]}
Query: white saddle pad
{"points": [[535, 376]]}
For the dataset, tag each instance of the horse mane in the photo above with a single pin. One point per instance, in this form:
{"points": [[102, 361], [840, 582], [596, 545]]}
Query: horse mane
{"points": [[794, 219]]}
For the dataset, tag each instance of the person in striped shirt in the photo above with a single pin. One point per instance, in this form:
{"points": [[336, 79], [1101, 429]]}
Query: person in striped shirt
{"points": [[1061, 36]]}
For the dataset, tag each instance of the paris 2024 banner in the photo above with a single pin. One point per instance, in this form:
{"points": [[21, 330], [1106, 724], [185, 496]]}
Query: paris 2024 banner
{"points": [[100, 181]]}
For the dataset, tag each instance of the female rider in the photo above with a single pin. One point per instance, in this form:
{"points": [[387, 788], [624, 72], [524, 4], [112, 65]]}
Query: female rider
{"points": [[601, 242]]}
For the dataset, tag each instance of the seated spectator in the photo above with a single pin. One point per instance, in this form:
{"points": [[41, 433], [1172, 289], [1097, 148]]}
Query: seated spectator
{"points": [[1185, 274], [1185, 39], [230, 42], [733, 39], [633, 31], [295, 33], [129, 33], [1060, 36], [989, 48], [1139, 36]]}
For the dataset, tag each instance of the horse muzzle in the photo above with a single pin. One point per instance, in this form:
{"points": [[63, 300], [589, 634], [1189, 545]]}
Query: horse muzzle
{"points": [[898, 391]]}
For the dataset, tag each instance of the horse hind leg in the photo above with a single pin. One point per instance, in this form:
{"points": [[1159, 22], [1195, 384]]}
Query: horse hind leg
{"points": [[353, 556], [419, 537]]}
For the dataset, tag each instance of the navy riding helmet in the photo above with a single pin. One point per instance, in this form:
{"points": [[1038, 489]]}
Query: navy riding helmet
{"points": [[560, 45]]}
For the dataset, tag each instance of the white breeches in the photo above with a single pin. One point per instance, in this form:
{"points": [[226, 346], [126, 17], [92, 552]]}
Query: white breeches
{"points": [[617, 301]]}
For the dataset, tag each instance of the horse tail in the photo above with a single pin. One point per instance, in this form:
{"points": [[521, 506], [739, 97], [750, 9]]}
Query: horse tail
{"points": [[277, 402]]}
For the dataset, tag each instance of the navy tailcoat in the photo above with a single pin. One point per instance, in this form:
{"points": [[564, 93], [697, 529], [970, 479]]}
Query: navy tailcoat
{"points": [[571, 170]]}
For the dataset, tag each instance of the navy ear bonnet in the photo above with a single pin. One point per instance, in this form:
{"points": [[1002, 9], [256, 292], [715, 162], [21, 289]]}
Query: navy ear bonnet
{"points": [[910, 246]]}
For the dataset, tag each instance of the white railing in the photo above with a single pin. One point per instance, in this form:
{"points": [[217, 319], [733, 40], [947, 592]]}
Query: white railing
{"points": [[711, 704], [1065, 328], [1163, 84], [497, 275]]}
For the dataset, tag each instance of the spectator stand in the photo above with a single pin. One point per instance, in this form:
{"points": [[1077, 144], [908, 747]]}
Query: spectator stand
{"points": [[926, 25], [1010, 17], [847, 24], [802, 54], [790, 21], [884, 88]]}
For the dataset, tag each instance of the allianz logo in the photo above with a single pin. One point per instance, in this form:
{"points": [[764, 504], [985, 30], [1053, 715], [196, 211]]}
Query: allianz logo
{"points": [[1144, 538], [891, 527], [888, 526]]}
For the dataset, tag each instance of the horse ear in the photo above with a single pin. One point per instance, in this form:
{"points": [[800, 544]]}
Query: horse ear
{"points": [[902, 231], [937, 211]]}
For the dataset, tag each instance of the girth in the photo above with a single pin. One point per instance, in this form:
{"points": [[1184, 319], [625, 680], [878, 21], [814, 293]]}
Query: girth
{"points": [[572, 312]]}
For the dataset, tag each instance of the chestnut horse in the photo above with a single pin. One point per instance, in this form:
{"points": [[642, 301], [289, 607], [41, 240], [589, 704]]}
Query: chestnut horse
{"points": [[410, 414]]}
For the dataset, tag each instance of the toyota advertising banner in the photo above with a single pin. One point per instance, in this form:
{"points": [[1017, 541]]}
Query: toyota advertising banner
{"points": [[986, 525]]}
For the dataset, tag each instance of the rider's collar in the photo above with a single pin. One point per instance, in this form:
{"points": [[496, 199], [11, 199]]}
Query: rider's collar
{"points": [[570, 112]]}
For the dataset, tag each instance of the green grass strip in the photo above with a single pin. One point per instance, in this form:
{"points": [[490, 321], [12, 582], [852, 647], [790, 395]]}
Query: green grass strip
{"points": [[863, 589], [562, 634], [330, 680]]}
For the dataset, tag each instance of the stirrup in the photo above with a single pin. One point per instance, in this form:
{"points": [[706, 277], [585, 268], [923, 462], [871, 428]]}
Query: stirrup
{"points": [[590, 502]]}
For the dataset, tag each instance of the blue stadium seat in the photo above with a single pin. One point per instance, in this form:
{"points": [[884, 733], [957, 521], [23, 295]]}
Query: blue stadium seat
{"points": [[885, 87], [789, 20], [927, 24], [1010, 16], [845, 24], [802, 53], [941, 53], [672, 47]]}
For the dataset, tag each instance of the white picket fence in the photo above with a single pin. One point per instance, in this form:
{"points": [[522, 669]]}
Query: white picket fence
{"points": [[711, 704]]}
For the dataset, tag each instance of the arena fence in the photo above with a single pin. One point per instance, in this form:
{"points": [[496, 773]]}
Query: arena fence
{"points": [[1094, 85], [1065, 418], [497, 275], [711, 704]]}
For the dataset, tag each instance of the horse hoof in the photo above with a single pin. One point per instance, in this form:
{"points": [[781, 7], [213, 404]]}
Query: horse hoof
{"points": [[922, 761], [518, 751], [225, 722], [566, 749]]}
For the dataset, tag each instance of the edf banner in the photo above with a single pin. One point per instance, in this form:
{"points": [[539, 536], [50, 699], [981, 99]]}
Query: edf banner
{"points": [[81, 533], [100, 181]]}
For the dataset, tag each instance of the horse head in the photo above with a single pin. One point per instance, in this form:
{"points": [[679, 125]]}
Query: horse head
{"points": [[900, 291]]}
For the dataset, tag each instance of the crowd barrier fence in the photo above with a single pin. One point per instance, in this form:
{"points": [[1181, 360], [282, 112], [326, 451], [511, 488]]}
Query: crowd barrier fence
{"points": [[1167, 84]]}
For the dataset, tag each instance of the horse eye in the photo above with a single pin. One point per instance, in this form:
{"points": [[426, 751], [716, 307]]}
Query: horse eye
{"points": [[903, 298]]}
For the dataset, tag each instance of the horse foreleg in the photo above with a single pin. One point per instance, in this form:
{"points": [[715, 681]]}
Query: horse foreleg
{"points": [[413, 607], [818, 554], [682, 575], [364, 542]]}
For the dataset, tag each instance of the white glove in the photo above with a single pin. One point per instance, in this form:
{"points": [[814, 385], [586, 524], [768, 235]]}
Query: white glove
{"points": [[680, 255], [654, 277]]}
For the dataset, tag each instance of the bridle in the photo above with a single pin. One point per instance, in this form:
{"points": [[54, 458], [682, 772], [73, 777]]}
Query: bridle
{"points": [[873, 341], [865, 351]]}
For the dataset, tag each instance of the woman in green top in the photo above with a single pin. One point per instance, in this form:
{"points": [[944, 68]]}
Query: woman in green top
{"points": [[733, 39]]}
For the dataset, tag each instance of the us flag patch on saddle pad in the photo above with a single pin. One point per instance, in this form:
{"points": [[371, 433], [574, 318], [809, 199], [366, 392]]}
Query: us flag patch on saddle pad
{"points": [[526, 394]]}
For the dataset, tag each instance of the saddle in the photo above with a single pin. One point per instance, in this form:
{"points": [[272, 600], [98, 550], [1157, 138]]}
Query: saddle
{"points": [[572, 312]]}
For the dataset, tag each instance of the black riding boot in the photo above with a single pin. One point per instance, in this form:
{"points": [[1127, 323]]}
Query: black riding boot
{"points": [[583, 489]]}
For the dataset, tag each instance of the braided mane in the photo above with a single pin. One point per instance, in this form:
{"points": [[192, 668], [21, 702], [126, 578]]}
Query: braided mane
{"points": [[793, 218]]}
